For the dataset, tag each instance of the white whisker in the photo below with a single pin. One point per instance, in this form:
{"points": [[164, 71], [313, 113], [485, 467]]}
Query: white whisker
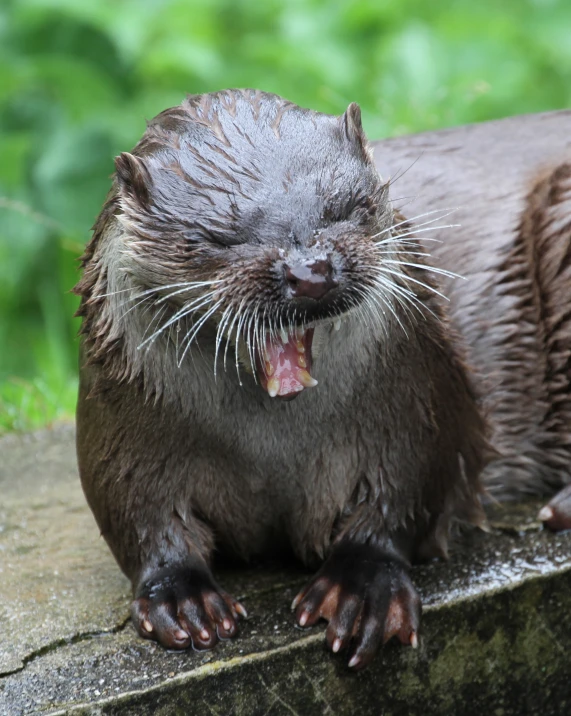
{"points": [[413, 232], [401, 253], [432, 269], [188, 284], [229, 332], [147, 298], [394, 290], [192, 333], [380, 296], [238, 336], [249, 340], [198, 303], [390, 288], [414, 280], [257, 335], [444, 213], [220, 333], [411, 298], [370, 315], [158, 315]]}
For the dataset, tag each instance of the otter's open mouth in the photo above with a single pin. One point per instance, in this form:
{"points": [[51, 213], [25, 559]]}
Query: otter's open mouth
{"points": [[284, 370]]}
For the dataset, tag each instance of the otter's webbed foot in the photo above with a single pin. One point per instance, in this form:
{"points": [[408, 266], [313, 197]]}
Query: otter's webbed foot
{"points": [[366, 596], [557, 514], [180, 606]]}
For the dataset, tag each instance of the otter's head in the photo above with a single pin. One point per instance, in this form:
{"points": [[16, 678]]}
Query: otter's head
{"points": [[259, 219]]}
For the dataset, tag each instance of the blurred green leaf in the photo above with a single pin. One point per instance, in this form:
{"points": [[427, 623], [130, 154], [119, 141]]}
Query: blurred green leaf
{"points": [[79, 79]]}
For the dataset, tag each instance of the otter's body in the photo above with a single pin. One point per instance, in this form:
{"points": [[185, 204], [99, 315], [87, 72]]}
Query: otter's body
{"points": [[268, 473], [506, 186], [248, 254]]}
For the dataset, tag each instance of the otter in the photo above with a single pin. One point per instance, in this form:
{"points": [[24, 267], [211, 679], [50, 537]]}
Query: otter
{"points": [[268, 365]]}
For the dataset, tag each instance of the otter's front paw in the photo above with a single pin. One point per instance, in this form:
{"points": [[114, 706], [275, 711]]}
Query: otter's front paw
{"points": [[180, 606], [367, 598]]}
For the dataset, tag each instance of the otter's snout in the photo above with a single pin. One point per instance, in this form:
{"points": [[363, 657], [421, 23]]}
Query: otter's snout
{"points": [[311, 279]]}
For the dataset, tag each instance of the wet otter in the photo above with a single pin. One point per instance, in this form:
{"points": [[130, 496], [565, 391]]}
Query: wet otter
{"points": [[267, 362], [509, 182]]}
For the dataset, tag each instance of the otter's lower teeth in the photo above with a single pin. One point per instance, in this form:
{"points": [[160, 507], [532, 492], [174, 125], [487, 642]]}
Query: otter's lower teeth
{"points": [[299, 346], [302, 363]]}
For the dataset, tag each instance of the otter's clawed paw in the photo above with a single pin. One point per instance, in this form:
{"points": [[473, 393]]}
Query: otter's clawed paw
{"points": [[367, 598], [557, 514], [183, 607]]}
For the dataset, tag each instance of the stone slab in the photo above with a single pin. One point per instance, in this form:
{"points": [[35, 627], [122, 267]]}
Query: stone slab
{"points": [[496, 632]]}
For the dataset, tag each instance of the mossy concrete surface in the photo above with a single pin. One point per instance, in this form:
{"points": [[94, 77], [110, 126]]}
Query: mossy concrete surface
{"points": [[496, 635]]}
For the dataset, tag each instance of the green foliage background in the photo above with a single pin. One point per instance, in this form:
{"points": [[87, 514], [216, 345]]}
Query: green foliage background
{"points": [[78, 78]]}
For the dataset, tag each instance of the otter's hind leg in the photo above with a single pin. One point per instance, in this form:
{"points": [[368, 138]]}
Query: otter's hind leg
{"points": [[529, 391], [557, 513], [549, 221]]}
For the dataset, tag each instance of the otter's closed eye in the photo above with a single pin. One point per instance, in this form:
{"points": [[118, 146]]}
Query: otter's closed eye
{"points": [[357, 205], [204, 236]]}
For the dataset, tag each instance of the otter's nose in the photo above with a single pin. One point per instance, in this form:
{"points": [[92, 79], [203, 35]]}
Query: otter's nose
{"points": [[310, 280]]}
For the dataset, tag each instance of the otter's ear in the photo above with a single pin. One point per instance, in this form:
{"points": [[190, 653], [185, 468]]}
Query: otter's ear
{"points": [[353, 129], [133, 177]]}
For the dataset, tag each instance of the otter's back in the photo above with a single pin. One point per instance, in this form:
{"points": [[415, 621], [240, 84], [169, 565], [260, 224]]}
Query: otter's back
{"points": [[508, 183]]}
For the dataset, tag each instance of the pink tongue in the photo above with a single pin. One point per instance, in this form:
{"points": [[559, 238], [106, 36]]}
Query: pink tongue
{"points": [[286, 367]]}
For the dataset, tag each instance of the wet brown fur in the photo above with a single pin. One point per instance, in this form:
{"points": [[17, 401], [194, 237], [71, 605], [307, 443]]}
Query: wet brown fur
{"points": [[386, 451]]}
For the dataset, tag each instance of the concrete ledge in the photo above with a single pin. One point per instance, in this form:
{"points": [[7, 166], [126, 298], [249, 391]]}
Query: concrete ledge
{"points": [[496, 630]]}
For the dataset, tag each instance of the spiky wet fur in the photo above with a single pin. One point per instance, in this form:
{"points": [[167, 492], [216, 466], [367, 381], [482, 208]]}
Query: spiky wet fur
{"points": [[179, 448]]}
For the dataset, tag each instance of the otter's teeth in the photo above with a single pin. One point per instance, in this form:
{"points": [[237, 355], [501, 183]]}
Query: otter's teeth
{"points": [[284, 335], [302, 363], [337, 324], [269, 368], [273, 387], [305, 379], [299, 346]]}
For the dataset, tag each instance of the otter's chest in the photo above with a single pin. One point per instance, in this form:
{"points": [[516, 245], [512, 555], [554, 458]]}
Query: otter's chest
{"points": [[265, 476]]}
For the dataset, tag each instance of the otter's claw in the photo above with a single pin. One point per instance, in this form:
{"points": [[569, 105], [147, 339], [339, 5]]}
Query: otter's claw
{"points": [[183, 607], [557, 514], [366, 597]]}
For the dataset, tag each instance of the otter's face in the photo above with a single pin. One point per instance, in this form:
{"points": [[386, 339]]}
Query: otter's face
{"points": [[246, 212]]}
